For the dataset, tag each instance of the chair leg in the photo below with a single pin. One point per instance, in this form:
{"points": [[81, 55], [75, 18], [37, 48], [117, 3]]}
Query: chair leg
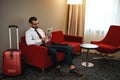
{"points": [[104, 57], [43, 71]]}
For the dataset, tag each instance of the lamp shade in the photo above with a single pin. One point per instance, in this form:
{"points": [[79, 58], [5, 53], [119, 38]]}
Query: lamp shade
{"points": [[74, 1]]}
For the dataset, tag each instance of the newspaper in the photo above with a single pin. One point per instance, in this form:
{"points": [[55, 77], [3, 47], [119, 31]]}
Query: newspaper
{"points": [[49, 31]]}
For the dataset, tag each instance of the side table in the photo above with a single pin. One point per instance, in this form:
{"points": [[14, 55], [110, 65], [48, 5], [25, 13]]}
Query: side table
{"points": [[88, 47]]}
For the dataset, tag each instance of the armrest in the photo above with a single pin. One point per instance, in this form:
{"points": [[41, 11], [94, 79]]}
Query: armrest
{"points": [[35, 55], [96, 42], [73, 38], [34, 51]]}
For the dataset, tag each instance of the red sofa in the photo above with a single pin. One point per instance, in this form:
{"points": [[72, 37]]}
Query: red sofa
{"points": [[37, 55]]}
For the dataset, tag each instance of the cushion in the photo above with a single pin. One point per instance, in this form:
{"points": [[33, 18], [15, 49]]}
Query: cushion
{"points": [[57, 36]]}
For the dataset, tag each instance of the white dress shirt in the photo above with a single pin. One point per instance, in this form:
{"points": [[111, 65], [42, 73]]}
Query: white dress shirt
{"points": [[32, 37]]}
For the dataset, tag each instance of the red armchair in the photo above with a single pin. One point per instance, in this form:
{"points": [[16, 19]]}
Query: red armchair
{"points": [[37, 55], [111, 43]]}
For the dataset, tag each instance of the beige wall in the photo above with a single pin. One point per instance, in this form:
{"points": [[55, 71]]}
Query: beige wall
{"points": [[51, 13]]}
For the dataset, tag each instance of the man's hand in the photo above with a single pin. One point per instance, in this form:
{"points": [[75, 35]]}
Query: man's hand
{"points": [[44, 39]]}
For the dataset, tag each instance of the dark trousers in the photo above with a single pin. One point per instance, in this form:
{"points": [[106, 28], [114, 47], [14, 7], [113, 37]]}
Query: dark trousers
{"points": [[67, 50]]}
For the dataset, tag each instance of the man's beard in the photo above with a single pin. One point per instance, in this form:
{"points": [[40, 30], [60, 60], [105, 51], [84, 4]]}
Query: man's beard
{"points": [[35, 27]]}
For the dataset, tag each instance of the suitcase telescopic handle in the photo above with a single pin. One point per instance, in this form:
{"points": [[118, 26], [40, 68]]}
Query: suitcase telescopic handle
{"points": [[13, 26], [10, 40]]}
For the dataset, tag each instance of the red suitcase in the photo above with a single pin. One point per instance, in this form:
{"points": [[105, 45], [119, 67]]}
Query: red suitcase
{"points": [[12, 58]]}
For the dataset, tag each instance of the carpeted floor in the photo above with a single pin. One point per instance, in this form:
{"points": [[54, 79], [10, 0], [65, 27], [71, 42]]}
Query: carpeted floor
{"points": [[102, 70]]}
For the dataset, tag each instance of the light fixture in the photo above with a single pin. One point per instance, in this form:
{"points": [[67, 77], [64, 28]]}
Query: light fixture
{"points": [[74, 1]]}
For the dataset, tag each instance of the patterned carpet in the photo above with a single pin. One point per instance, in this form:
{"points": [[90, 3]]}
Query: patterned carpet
{"points": [[102, 70]]}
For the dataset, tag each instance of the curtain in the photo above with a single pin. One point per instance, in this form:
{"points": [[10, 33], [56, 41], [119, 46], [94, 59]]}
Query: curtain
{"points": [[100, 14], [73, 21], [75, 24]]}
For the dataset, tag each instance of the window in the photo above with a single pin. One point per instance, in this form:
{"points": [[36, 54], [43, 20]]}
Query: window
{"points": [[100, 14]]}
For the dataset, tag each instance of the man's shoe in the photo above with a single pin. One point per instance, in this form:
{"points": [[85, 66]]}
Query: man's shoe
{"points": [[75, 71], [58, 70]]}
